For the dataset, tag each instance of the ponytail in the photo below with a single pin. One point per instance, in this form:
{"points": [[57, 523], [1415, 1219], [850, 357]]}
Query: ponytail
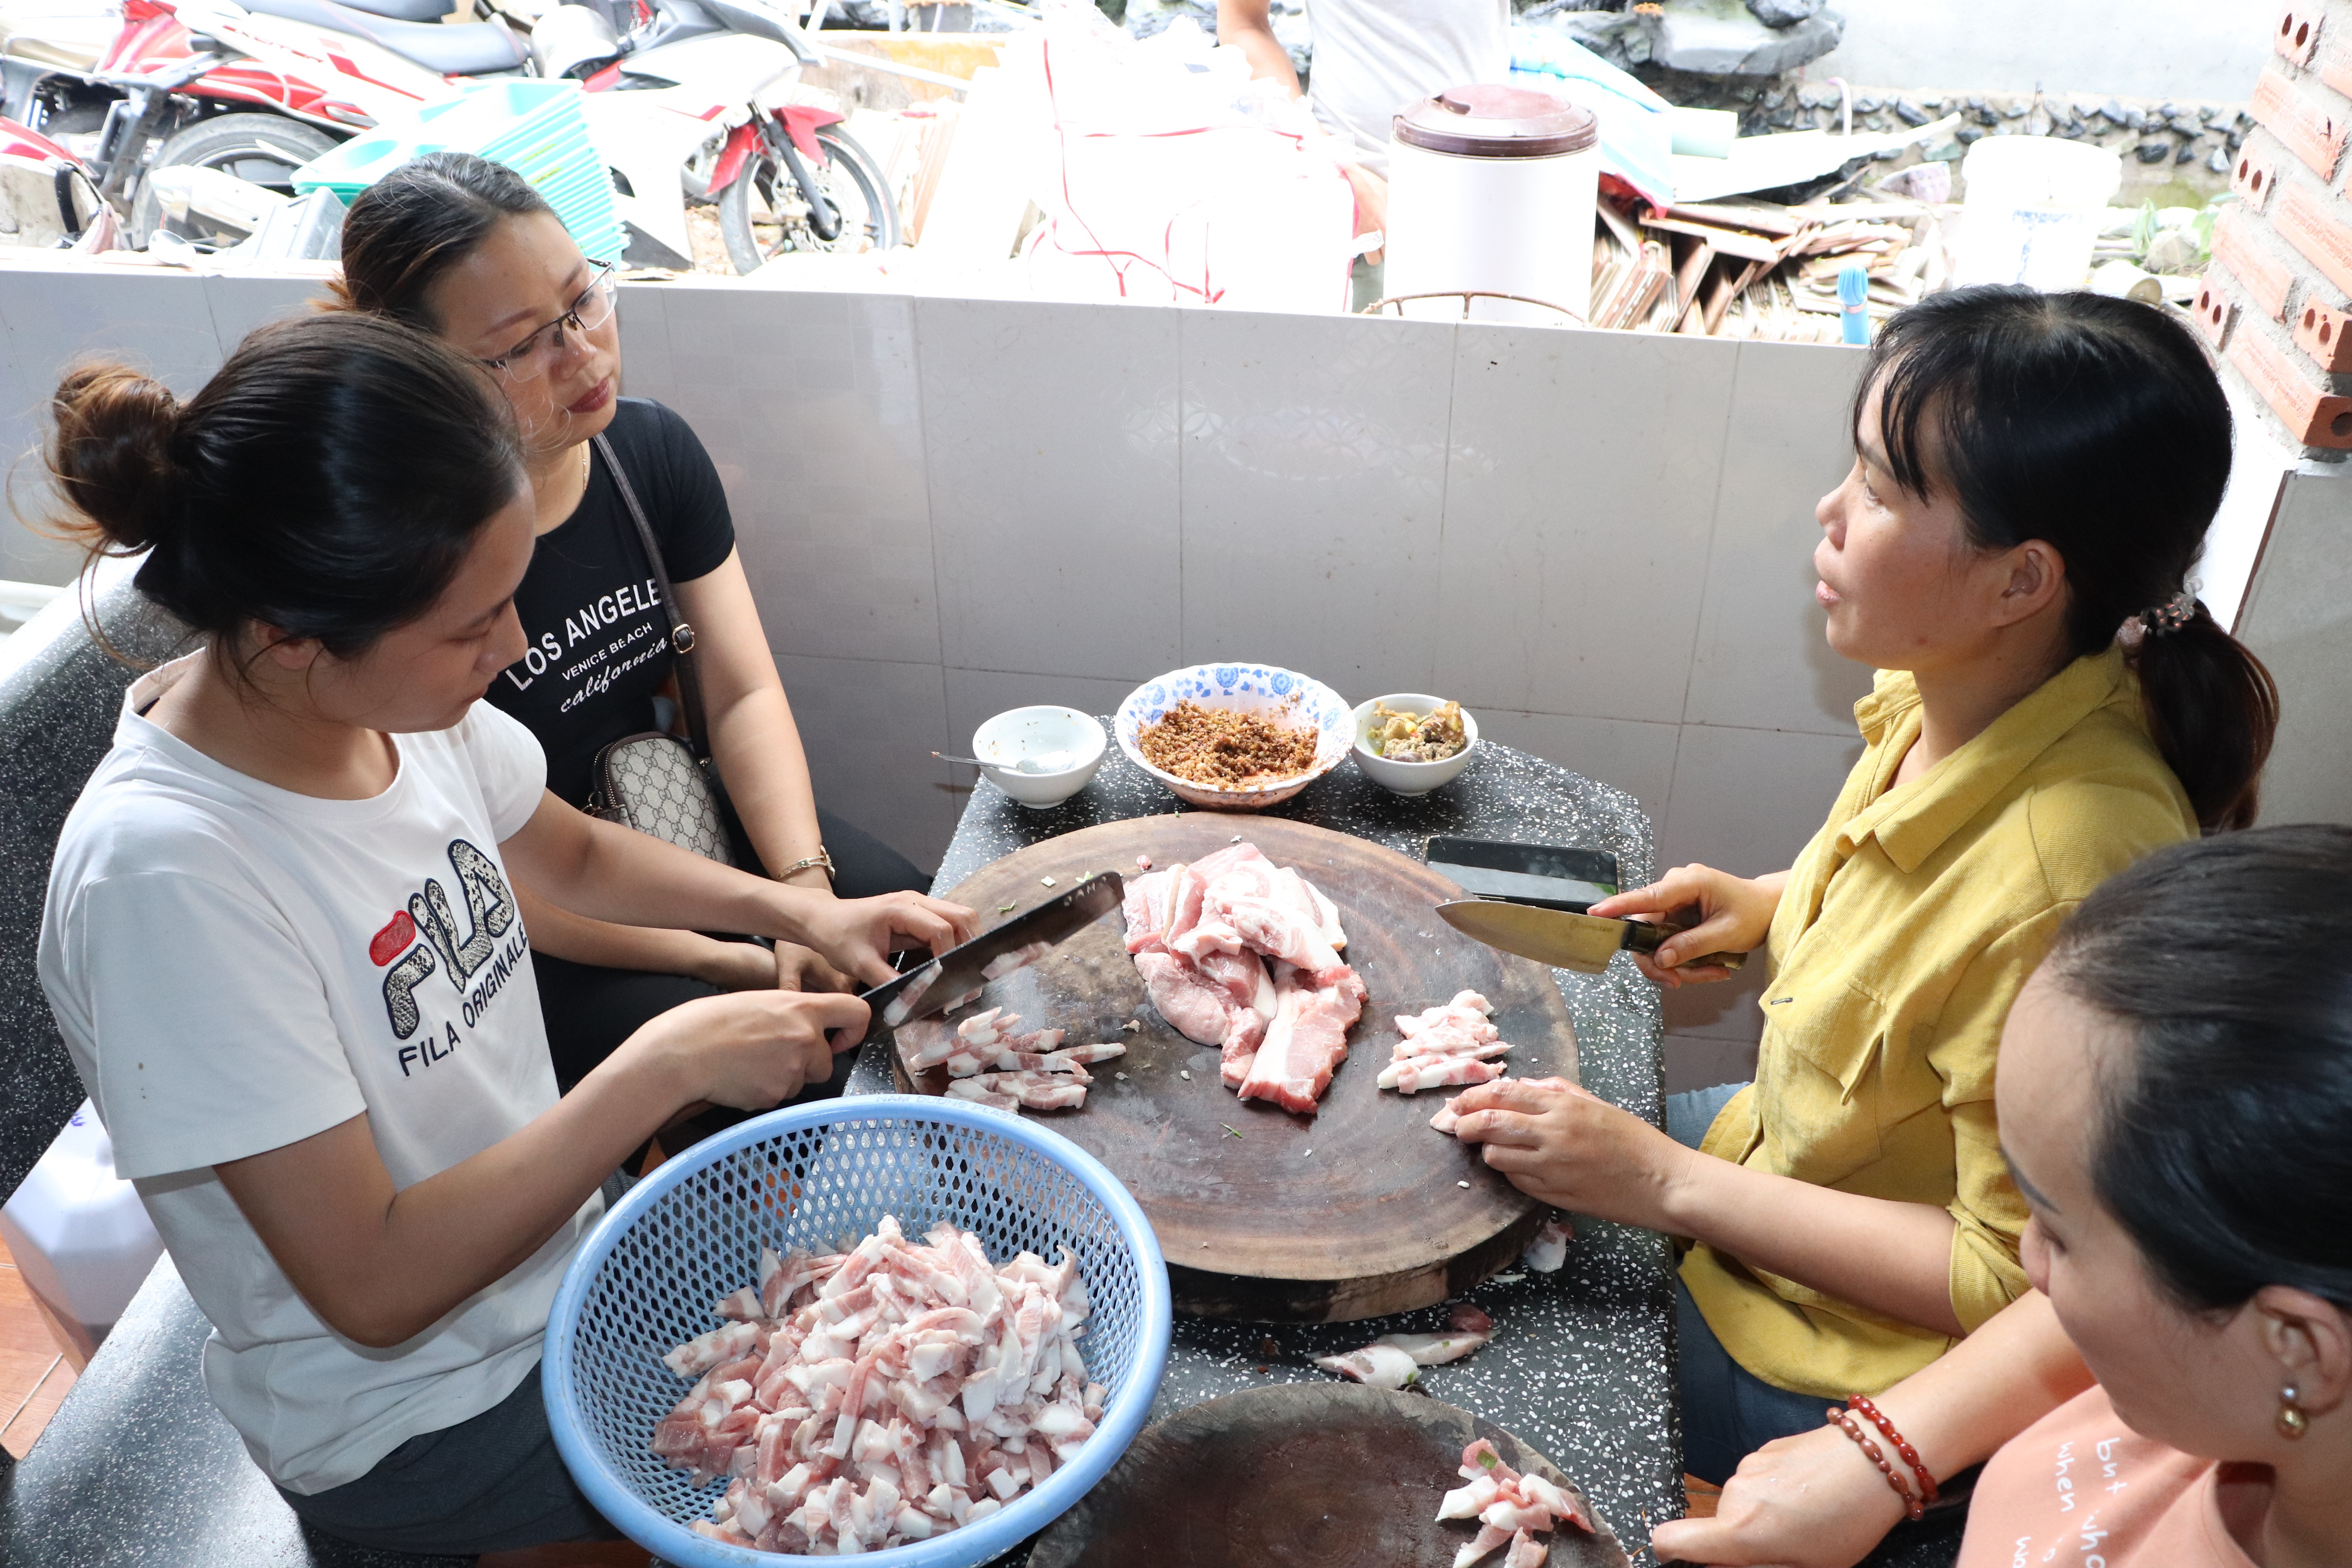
{"points": [[2212, 708], [327, 482], [2097, 425]]}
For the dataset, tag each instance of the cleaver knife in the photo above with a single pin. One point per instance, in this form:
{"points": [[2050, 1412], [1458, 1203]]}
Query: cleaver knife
{"points": [[939, 983], [1559, 939]]}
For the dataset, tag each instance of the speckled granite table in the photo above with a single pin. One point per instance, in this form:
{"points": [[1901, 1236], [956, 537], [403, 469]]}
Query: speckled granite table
{"points": [[1583, 1361]]}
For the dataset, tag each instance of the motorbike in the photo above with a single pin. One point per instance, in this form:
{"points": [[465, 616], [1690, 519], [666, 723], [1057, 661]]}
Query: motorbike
{"points": [[46, 196], [696, 104]]}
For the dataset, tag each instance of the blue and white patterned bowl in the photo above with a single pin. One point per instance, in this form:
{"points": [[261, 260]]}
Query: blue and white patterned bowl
{"points": [[1281, 694]]}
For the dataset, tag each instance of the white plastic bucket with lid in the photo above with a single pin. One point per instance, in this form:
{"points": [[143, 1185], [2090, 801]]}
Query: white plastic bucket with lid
{"points": [[2033, 210], [81, 1237], [1492, 189]]}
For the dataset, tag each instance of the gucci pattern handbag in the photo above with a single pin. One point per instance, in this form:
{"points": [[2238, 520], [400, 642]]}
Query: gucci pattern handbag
{"points": [[654, 781]]}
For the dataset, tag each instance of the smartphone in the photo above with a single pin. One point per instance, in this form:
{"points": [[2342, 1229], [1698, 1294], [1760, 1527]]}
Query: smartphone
{"points": [[1548, 875]]}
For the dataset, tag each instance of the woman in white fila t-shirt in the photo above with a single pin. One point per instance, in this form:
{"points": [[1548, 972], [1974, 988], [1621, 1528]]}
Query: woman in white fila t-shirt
{"points": [[283, 947]]}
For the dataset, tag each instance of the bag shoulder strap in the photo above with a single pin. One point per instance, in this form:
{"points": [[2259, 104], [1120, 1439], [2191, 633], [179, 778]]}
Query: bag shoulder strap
{"points": [[681, 633]]}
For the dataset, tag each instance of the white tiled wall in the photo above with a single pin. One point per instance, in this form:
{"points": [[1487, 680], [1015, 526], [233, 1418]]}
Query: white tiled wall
{"points": [[950, 507]]}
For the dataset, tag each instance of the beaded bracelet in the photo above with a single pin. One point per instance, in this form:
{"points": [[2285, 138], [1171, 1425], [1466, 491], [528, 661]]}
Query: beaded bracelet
{"points": [[1846, 1422], [1870, 1413]]}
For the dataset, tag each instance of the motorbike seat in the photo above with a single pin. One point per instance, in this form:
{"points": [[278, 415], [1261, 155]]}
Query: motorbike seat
{"points": [[453, 48], [403, 10]]}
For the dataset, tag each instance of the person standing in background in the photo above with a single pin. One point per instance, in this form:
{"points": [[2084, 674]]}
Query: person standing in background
{"points": [[1371, 58]]}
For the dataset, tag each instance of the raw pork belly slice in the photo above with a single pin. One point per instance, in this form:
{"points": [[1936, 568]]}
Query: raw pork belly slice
{"points": [[1306, 1041], [988, 1064], [1392, 1361], [1454, 1045], [1202, 932]]}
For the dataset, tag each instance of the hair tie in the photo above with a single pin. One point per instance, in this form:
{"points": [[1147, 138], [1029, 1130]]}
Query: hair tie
{"points": [[2169, 617]]}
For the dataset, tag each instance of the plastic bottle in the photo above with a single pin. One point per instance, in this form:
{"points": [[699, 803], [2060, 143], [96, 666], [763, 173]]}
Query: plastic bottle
{"points": [[80, 1237], [1853, 302]]}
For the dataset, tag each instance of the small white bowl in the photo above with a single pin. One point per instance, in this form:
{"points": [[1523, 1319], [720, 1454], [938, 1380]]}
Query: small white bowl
{"points": [[1248, 689], [1401, 777], [1063, 736]]}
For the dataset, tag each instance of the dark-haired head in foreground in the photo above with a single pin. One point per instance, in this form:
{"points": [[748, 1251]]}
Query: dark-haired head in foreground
{"points": [[2176, 1100]]}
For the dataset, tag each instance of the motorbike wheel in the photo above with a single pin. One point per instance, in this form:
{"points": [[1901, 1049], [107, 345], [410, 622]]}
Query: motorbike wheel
{"points": [[264, 148], [762, 214]]}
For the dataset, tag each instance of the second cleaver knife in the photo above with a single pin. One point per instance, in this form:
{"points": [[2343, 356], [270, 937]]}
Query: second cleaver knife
{"points": [[939, 983], [1560, 939]]}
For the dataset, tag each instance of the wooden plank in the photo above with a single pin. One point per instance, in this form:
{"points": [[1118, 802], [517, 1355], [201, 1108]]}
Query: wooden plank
{"points": [[1300, 1475], [1729, 241], [1686, 280], [1774, 220], [1401, 1214], [1617, 224], [1734, 284]]}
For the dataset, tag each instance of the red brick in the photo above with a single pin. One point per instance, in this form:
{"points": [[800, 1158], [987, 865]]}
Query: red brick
{"points": [[2297, 35], [2325, 335], [2252, 179], [2314, 418], [2212, 310], [2304, 221], [2310, 132], [2336, 70], [2266, 279]]}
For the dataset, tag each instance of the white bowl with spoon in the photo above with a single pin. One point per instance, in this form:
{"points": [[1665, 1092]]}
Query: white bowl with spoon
{"points": [[1040, 756]]}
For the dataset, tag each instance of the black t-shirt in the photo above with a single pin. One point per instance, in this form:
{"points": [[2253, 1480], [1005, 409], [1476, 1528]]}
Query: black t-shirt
{"points": [[599, 637]]}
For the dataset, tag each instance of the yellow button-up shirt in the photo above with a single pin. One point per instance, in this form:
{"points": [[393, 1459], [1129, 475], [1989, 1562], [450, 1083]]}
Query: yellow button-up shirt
{"points": [[1908, 925]]}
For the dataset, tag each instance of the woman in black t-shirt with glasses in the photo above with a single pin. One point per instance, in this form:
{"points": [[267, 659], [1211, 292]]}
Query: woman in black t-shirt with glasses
{"points": [[465, 250]]}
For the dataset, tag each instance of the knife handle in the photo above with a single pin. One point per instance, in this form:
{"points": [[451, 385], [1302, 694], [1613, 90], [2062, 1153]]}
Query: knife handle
{"points": [[1641, 936]]}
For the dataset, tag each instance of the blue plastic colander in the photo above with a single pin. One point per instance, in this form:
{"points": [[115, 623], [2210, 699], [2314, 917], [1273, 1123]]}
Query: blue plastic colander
{"points": [[824, 1176]]}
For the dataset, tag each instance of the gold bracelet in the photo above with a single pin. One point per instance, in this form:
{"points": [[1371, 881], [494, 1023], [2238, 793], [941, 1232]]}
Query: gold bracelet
{"points": [[821, 861]]}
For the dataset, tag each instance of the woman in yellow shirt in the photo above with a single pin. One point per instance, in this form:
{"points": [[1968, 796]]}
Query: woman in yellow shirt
{"points": [[2033, 478]]}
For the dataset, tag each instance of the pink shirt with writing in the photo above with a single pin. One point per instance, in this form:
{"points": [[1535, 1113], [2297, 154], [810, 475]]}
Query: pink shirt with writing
{"points": [[2081, 1489]]}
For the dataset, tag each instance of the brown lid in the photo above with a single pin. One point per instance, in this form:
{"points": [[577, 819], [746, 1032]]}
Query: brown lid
{"points": [[1493, 121]]}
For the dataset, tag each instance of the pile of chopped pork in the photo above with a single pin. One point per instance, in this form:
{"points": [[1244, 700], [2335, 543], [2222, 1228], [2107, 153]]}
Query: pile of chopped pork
{"points": [[1238, 953], [1509, 1508], [1453, 1045], [868, 1398], [991, 1064]]}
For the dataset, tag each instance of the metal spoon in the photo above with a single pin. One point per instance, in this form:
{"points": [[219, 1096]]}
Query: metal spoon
{"points": [[1058, 764]]}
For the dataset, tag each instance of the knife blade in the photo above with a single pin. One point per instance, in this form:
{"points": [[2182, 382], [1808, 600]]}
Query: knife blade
{"points": [[1560, 939], [939, 983]]}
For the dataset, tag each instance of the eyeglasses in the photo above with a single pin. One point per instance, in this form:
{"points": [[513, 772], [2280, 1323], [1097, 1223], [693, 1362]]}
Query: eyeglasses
{"points": [[529, 359]]}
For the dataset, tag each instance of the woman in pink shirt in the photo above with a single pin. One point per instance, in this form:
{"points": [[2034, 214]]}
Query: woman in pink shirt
{"points": [[2176, 1104]]}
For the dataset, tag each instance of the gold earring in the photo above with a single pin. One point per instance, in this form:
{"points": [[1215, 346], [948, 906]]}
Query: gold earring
{"points": [[2291, 1421]]}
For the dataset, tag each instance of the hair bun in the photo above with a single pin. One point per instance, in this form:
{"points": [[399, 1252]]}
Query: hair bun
{"points": [[111, 454]]}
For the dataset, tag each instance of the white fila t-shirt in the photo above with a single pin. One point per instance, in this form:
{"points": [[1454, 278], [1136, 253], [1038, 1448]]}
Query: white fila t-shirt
{"points": [[236, 967]]}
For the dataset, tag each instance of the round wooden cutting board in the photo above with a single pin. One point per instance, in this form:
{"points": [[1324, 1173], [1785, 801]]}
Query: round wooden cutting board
{"points": [[1302, 1476], [1359, 1211]]}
